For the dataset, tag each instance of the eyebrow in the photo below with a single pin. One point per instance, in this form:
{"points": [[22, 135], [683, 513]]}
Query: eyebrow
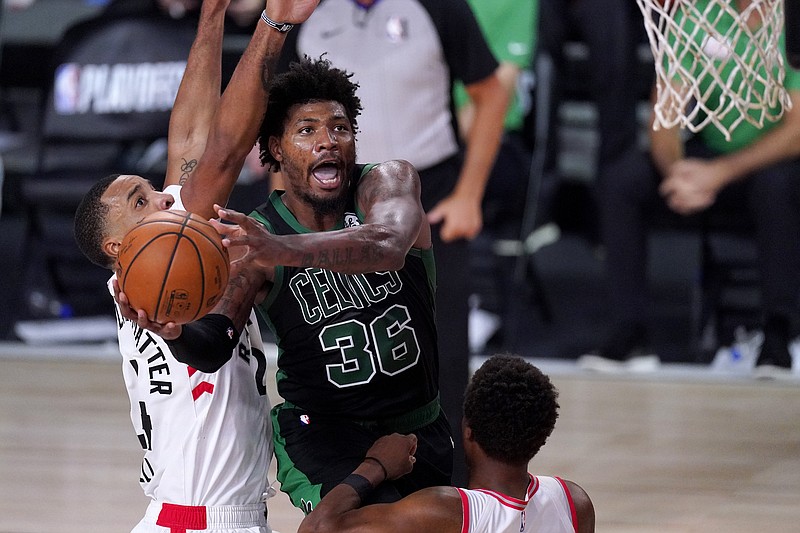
{"points": [[134, 191], [308, 119], [316, 118]]}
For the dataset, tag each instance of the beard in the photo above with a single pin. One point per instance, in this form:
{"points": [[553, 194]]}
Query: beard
{"points": [[325, 206]]}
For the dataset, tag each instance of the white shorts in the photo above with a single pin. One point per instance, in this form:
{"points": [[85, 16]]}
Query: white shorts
{"points": [[170, 518]]}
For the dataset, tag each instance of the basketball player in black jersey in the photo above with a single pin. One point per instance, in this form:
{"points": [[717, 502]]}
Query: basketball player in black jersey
{"points": [[347, 253]]}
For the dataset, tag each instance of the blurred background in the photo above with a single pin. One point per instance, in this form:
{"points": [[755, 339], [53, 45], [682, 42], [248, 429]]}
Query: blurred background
{"points": [[544, 301], [672, 451], [54, 145]]}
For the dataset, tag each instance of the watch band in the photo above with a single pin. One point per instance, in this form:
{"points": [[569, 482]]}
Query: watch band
{"points": [[282, 27]]}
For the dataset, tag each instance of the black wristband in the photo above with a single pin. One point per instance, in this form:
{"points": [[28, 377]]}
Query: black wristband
{"points": [[380, 464], [360, 484], [206, 344]]}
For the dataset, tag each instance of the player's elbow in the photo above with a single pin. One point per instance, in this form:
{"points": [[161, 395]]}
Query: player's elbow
{"points": [[391, 248], [394, 261]]}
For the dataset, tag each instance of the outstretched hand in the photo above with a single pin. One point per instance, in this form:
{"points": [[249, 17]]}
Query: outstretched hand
{"points": [[168, 331], [246, 240], [396, 453]]}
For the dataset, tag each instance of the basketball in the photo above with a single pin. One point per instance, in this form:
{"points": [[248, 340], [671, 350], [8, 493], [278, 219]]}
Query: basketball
{"points": [[173, 266]]}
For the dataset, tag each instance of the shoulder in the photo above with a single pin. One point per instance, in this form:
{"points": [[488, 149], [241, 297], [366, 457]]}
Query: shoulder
{"points": [[584, 508], [388, 180], [394, 168], [394, 174], [437, 508], [442, 494]]}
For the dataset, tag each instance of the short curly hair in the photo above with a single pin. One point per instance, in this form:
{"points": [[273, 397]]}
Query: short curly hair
{"points": [[89, 225], [306, 81], [511, 408]]}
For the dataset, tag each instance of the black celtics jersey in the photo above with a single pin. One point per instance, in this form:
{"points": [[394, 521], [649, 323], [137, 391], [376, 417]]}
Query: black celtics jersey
{"points": [[360, 345]]}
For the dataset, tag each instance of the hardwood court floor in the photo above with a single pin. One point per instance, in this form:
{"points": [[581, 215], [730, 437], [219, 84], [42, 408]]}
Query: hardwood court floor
{"points": [[666, 453]]}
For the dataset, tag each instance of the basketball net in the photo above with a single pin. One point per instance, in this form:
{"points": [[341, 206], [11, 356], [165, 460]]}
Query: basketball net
{"points": [[744, 63]]}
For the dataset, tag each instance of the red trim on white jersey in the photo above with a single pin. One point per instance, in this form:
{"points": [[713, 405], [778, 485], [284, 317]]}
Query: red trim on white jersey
{"points": [[510, 501], [465, 510], [572, 508], [548, 508]]}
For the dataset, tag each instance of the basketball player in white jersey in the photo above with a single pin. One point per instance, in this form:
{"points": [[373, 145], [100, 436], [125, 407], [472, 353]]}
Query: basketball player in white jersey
{"points": [[203, 417], [510, 408]]}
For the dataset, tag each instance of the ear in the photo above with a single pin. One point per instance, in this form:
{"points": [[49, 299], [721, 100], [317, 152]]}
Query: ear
{"points": [[275, 148], [471, 448], [111, 247], [466, 431]]}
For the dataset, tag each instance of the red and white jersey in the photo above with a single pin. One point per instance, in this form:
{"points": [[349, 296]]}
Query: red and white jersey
{"points": [[207, 438], [548, 508]]}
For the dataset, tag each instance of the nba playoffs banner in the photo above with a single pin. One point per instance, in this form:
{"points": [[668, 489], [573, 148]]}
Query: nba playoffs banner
{"points": [[117, 78]]}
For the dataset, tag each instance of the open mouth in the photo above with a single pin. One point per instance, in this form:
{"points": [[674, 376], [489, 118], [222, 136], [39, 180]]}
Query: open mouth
{"points": [[327, 174]]}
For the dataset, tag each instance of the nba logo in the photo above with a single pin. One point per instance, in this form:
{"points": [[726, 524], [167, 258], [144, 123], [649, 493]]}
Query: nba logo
{"points": [[305, 420], [66, 89], [397, 29]]}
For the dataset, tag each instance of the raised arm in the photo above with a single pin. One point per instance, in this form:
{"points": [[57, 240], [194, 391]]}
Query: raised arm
{"points": [[235, 124], [198, 94], [394, 223]]}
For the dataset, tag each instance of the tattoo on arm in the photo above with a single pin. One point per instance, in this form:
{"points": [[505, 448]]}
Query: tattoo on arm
{"points": [[372, 194], [340, 258], [237, 300], [186, 168], [371, 253]]}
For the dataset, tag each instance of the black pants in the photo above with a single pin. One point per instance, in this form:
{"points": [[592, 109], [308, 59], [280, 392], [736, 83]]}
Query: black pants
{"points": [[629, 200], [452, 309], [316, 452]]}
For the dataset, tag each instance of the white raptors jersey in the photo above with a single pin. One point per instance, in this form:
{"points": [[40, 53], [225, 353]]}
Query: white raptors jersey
{"points": [[207, 437], [547, 509]]}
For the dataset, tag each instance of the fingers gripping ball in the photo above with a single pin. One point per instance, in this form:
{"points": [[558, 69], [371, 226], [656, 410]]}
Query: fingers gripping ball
{"points": [[173, 266]]}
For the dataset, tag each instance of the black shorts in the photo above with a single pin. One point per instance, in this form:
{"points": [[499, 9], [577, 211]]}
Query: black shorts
{"points": [[315, 453]]}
